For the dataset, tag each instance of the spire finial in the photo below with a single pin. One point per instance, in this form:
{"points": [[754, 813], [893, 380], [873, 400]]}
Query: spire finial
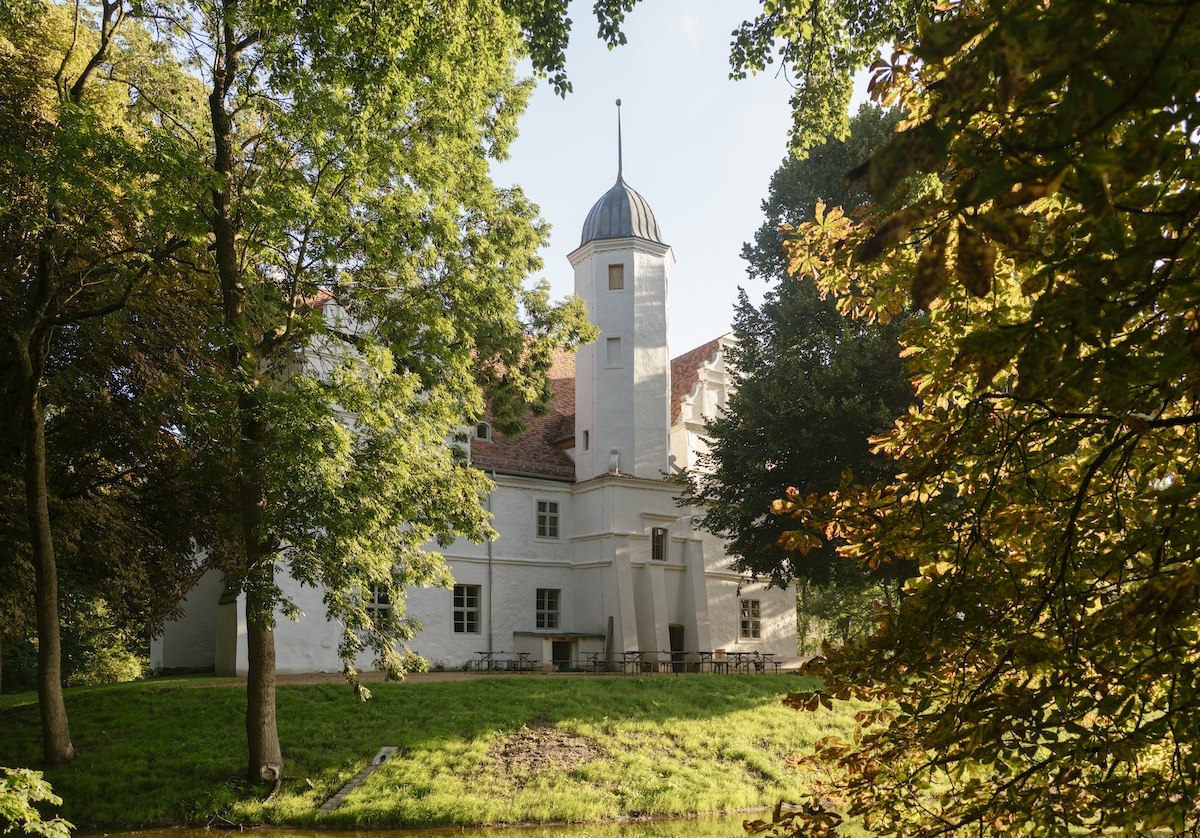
{"points": [[620, 166]]}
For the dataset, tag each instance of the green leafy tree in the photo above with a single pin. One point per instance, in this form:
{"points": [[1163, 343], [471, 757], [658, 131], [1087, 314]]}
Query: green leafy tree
{"points": [[821, 44], [90, 217], [813, 387], [371, 295], [20, 790], [1039, 677]]}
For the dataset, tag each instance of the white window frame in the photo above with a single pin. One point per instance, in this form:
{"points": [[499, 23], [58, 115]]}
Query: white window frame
{"points": [[547, 520], [658, 544], [483, 430], [750, 615], [465, 610], [547, 607]]}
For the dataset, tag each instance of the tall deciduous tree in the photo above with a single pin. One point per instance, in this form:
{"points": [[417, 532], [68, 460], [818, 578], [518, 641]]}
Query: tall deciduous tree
{"points": [[813, 385], [821, 44], [371, 292], [90, 215], [1040, 676]]}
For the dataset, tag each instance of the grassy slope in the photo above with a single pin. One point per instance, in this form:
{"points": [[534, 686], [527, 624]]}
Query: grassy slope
{"points": [[170, 751]]}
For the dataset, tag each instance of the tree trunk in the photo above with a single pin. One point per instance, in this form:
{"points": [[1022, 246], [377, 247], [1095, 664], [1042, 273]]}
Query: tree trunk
{"points": [[56, 735], [265, 762], [262, 731]]}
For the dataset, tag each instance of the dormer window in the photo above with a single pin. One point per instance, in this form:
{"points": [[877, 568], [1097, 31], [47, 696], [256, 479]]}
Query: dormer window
{"points": [[483, 431]]}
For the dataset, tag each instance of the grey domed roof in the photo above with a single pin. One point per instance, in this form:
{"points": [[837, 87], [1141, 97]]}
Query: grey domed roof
{"points": [[620, 212]]}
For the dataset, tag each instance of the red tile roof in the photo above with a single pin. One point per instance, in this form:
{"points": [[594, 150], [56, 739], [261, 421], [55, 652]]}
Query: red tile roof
{"points": [[685, 373], [540, 451], [535, 452]]}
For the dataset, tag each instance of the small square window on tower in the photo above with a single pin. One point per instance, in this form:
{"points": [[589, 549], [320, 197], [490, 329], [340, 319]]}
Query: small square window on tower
{"points": [[616, 277]]}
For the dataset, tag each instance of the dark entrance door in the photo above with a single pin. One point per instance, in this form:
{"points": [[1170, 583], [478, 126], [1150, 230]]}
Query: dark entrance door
{"points": [[678, 662], [560, 653]]}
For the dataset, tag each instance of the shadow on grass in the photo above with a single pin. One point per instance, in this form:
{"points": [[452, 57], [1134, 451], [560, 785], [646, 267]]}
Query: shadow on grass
{"points": [[170, 751]]}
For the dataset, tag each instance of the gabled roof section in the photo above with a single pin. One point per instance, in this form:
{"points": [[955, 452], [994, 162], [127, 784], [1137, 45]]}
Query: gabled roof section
{"points": [[540, 450], [685, 373]]}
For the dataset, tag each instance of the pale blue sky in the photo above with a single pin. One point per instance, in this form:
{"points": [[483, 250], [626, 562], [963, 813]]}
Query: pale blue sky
{"points": [[699, 147]]}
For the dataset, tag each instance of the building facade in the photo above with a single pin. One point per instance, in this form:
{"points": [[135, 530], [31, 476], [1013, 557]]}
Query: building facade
{"points": [[594, 556]]}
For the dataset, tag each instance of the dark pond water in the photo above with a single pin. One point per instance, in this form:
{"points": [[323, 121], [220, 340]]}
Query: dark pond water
{"points": [[720, 827]]}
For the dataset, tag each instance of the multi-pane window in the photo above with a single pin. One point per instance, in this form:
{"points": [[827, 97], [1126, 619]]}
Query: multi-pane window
{"points": [[380, 605], [547, 519], [483, 431], [751, 620], [466, 609], [658, 544], [547, 608], [616, 277]]}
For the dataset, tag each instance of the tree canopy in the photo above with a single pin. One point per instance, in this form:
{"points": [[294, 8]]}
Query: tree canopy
{"points": [[93, 217], [371, 296], [321, 170], [812, 384], [1040, 676]]}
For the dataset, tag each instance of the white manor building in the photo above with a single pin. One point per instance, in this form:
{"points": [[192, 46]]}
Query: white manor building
{"points": [[592, 555]]}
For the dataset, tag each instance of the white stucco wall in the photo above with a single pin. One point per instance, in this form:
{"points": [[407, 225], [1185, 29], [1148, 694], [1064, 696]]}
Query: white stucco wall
{"points": [[623, 403], [190, 642]]}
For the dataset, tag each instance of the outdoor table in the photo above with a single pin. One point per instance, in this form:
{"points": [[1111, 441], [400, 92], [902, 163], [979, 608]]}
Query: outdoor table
{"points": [[512, 661], [663, 661], [740, 661], [766, 660], [631, 661]]}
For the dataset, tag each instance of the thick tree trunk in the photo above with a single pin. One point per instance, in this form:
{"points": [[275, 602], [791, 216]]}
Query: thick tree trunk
{"points": [[262, 731], [56, 735]]}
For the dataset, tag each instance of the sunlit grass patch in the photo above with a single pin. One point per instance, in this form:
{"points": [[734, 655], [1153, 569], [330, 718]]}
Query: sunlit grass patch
{"points": [[498, 750]]}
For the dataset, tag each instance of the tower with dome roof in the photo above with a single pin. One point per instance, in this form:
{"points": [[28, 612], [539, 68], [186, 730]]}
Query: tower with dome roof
{"points": [[623, 379]]}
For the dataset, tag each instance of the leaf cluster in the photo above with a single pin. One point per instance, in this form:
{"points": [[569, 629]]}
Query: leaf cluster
{"points": [[812, 386], [821, 44], [1042, 666]]}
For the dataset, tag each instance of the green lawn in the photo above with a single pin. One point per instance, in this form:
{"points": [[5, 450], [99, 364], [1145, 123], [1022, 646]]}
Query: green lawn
{"points": [[473, 752]]}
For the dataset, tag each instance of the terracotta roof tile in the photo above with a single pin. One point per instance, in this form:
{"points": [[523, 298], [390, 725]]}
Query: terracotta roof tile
{"points": [[541, 450], [685, 373], [535, 452]]}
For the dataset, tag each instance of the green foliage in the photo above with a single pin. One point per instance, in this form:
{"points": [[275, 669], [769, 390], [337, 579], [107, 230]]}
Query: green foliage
{"points": [[93, 218], [20, 790], [822, 44], [97, 648], [813, 387], [656, 745], [1040, 673], [372, 291]]}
